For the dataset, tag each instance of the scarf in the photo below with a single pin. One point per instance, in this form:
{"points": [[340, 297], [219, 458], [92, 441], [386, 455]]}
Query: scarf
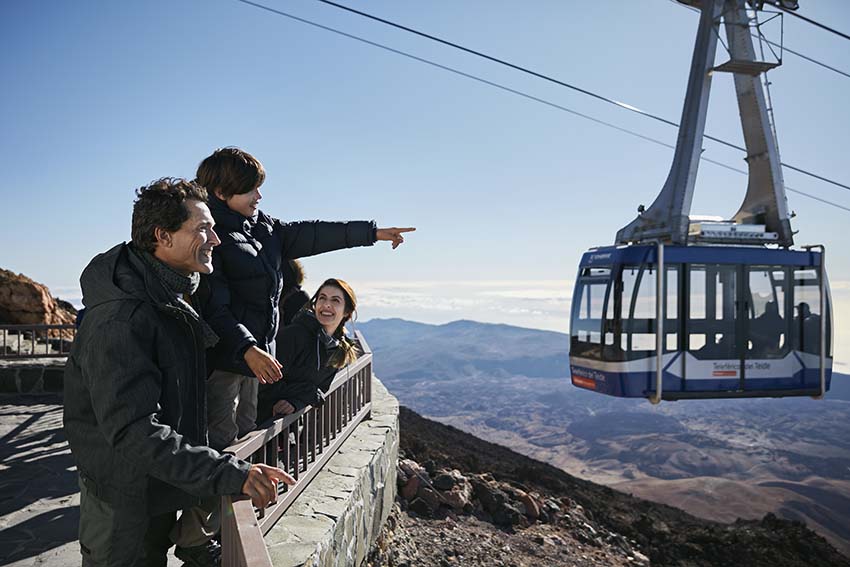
{"points": [[179, 285]]}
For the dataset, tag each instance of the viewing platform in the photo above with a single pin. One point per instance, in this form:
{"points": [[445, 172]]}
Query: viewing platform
{"points": [[343, 455]]}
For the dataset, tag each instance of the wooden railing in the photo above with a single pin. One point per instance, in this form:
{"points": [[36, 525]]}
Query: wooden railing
{"points": [[300, 443], [31, 341]]}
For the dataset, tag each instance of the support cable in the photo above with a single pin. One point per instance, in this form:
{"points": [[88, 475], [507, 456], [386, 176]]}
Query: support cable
{"points": [[807, 58], [518, 93], [813, 22], [550, 79], [780, 46]]}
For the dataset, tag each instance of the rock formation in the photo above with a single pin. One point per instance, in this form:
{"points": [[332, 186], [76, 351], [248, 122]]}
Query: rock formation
{"points": [[27, 302]]}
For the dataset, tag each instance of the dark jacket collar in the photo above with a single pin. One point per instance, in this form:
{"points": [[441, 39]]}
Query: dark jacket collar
{"points": [[120, 275], [308, 320], [229, 219]]}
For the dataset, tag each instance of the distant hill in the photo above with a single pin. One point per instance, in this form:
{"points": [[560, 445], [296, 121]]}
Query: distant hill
{"points": [[466, 346], [718, 459]]}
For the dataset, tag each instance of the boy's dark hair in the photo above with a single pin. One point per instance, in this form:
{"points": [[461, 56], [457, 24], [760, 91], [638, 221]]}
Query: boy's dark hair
{"points": [[162, 204], [232, 171]]}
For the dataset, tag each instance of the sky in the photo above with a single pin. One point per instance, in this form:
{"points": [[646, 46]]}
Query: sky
{"points": [[99, 98]]}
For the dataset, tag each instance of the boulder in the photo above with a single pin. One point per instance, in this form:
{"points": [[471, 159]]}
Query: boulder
{"points": [[410, 488], [460, 496], [26, 302], [444, 481], [496, 502], [532, 507], [429, 496]]}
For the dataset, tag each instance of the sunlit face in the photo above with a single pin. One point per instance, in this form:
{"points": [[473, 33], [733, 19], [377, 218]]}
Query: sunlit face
{"points": [[189, 248], [245, 204], [330, 307]]}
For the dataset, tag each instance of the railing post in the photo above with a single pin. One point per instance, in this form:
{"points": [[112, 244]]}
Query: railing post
{"points": [[367, 380], [21, 331]]}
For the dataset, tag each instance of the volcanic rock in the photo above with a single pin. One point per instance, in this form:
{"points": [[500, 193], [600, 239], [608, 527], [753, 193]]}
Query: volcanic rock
{"points": [[578, 524], [27, 302]]}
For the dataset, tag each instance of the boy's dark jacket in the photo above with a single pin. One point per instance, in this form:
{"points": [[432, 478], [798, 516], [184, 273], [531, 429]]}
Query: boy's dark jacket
{"points": [[306, 375], [247, 275], [135, 399]]}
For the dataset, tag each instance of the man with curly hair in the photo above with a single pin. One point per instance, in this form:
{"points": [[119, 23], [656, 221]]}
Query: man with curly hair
{"points": [[135, 399]]}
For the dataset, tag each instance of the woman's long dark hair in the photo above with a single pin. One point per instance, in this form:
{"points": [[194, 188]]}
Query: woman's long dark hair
{"points": [[347, 352]]}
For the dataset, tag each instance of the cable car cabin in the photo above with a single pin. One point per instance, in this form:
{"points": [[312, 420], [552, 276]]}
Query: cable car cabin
{"points": [[725, 321]]}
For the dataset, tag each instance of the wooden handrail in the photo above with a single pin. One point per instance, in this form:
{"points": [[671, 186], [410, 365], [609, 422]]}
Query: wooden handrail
{"points": [[301, 444]]}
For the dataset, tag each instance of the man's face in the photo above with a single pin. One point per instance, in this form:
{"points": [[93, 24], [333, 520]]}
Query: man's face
{"points": [[189, 249]]}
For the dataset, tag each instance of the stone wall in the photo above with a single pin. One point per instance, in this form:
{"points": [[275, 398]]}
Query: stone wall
{"points": [[29, 376], [336, 519]]}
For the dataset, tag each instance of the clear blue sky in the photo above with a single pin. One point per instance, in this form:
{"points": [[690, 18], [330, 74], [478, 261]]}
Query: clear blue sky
{"points": [[101, 97]]}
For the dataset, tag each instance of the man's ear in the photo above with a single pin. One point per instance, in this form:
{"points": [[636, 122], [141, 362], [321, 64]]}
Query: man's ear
{"points": [[163, 237], [218, 193]]}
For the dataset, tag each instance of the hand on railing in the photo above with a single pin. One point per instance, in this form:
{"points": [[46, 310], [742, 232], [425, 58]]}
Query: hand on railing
{"points": [[282, 407], [261, 484]]}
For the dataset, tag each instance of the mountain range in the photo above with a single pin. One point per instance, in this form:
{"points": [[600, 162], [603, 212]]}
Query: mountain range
{"points": [[716, 459]]}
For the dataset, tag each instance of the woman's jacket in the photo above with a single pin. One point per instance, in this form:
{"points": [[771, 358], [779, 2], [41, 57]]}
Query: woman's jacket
{"points": [[303, 353]]}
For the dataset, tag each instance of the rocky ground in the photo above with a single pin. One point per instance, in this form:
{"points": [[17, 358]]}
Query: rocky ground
{"points": [[410, 540], [463, 501]]}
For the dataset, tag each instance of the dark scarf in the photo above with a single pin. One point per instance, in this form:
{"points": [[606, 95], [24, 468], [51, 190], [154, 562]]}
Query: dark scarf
{"points": [[179, 285]]}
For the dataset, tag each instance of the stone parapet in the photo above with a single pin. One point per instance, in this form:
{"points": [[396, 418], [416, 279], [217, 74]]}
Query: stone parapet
{"points": [[32, 375], [337, 518]]}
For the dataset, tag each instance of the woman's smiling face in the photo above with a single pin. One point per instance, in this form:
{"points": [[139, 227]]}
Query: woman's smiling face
{"points": [[330, 307]]}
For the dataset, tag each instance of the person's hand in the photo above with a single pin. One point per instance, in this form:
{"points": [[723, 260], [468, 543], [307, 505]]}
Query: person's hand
{"points": [[261, 484], [394, 234], [263, 365], [282, 407]]}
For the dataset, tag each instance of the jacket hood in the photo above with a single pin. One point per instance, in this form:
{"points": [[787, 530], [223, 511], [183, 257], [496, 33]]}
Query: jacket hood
{"points": [[119, 275], [306, 318]]}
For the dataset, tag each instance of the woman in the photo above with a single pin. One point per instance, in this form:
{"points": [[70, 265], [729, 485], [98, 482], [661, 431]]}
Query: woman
{"points": [[311, 350]]}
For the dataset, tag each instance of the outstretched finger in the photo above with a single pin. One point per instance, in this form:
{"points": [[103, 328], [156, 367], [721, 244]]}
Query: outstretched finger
{"points": [[408, 229]]}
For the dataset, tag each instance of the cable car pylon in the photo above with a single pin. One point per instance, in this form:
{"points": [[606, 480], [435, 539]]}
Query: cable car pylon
{"points": [[683, 307]]}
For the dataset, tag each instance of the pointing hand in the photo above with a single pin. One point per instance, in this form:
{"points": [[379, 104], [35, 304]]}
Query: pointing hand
{"points": [[394, 234]]}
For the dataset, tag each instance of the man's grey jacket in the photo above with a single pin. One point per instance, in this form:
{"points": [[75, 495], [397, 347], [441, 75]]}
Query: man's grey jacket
{"points": [[135, 399]]}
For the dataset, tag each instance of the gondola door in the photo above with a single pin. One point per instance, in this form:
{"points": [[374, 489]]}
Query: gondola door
{"points": [[716, 327]]}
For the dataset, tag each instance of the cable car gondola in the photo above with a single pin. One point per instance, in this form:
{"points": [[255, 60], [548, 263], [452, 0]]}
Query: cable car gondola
{"points": [[690, 308]]}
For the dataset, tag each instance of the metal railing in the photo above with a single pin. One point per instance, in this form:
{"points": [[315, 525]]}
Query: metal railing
{"points": [[31, 341], [300, 443]]}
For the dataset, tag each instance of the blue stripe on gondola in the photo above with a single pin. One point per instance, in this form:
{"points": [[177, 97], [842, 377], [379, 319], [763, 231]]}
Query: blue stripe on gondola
{"points": [[643, 254]]}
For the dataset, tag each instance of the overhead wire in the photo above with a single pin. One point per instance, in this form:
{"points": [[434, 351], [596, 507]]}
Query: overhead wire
{"points": [[782, 46], [513, 91], [807, 58], [811, 21], [548, 78]]}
